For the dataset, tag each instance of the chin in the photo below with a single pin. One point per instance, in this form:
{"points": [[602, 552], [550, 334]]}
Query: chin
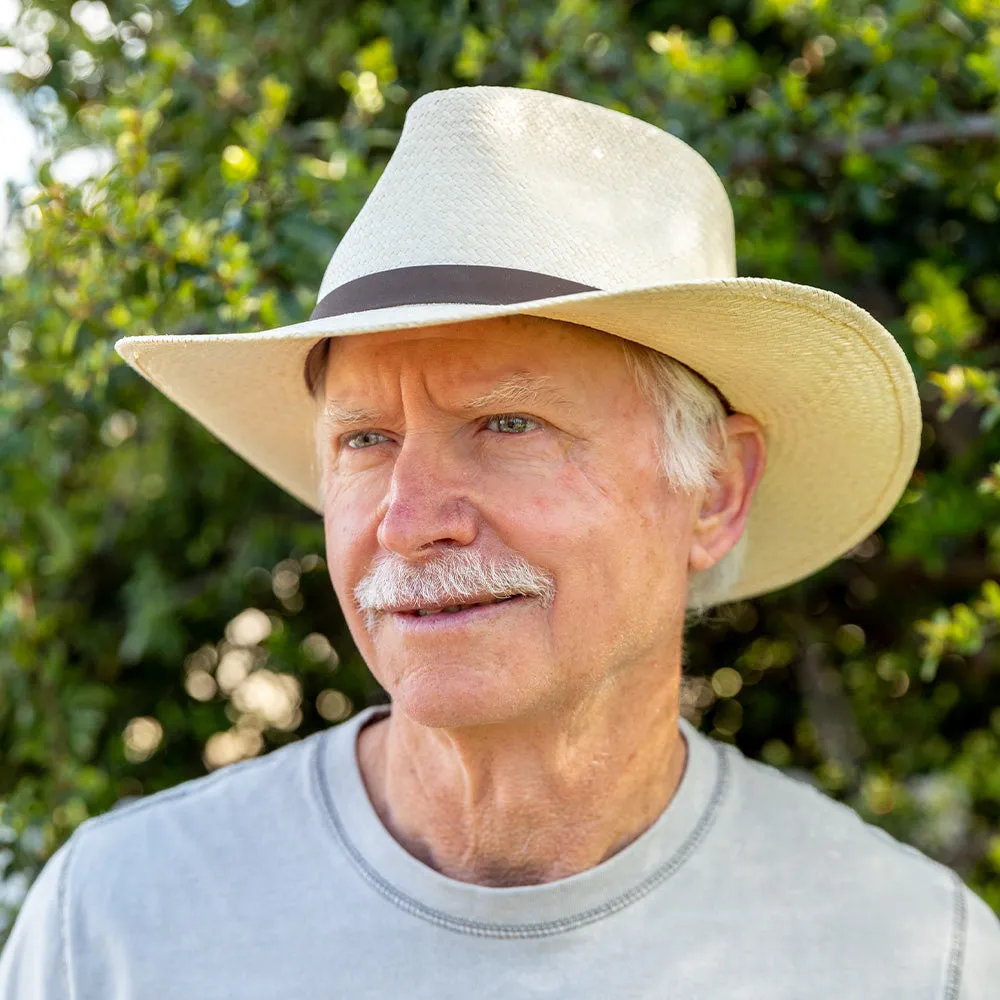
{"points": [[447, 696]]}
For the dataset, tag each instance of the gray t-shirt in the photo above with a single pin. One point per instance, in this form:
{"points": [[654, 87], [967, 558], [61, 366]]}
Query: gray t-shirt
{"points": [[275, 880]]}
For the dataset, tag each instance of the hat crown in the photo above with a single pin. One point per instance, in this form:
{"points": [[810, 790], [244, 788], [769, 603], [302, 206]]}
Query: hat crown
{"points": [[514, 178]]}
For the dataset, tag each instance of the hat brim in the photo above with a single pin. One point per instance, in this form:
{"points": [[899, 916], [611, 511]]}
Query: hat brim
{"points": [[831, 387]]}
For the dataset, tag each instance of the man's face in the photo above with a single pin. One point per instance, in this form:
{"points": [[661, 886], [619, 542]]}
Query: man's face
{"points": [[495, 438]]}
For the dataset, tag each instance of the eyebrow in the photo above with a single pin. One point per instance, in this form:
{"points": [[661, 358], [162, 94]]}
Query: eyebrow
{"points": [[335, 415], [516, 389]]}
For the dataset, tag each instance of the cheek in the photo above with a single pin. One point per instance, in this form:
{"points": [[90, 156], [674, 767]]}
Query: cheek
{"points": [[592, 501], [349, 527], [624, 530], [540, 514], [353, 502]]}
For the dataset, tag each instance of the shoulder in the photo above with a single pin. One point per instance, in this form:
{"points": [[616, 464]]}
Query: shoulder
{"points": [[975, 974], [852, 881], [276, 775], [33, 961], [806, 826], [236, 814], [171, 867]]}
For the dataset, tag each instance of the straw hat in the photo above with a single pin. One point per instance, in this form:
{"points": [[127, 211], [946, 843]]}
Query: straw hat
{"points": [[503, 201]]}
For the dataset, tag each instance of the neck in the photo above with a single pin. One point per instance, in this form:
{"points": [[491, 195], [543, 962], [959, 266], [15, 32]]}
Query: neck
{"points": [[531, 801]]}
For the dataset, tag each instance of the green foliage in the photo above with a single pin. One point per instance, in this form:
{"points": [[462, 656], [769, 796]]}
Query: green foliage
{"points": [[163, 608]]}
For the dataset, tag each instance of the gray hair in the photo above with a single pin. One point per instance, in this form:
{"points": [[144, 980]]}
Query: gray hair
{"points": [[692, 446]]}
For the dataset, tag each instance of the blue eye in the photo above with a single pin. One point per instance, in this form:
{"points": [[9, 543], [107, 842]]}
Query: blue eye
{"points": [[364, 439], [511, 423]]}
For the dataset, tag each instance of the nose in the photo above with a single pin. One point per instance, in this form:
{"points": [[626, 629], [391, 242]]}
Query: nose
{"points": [[427, 503]]}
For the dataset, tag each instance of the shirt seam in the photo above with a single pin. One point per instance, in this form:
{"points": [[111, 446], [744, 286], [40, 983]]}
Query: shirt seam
{"points": [[956, 956], [541, 929], [198, 786], [63, 909]]}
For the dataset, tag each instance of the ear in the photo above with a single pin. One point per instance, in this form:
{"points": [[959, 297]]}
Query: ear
{"points": [[726, 503]]}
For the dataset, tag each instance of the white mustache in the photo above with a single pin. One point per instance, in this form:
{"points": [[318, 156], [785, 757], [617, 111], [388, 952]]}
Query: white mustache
{"points": [[456, 576]]}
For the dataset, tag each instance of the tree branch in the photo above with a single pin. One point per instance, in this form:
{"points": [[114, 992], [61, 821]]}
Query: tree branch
{"points": [[943, 133]]}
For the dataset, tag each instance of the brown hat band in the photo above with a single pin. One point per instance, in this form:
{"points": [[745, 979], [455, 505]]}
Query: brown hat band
{"points": [[431, 284]]}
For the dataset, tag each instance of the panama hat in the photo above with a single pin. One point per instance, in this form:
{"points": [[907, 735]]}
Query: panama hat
{"points": [[501, 201]]}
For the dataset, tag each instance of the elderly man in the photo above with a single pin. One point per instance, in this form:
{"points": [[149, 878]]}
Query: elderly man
{"points": [[535, 409]]}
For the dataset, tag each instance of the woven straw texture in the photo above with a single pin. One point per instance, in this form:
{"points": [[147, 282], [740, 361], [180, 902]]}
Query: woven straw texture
{"points": [[534, 181]]}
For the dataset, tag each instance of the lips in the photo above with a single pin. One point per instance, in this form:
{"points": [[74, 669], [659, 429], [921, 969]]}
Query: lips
{"points": [[452, 608], [454, 618]]}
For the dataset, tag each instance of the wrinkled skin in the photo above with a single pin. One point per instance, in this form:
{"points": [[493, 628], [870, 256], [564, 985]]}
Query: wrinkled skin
{"points": [[526, 742]]}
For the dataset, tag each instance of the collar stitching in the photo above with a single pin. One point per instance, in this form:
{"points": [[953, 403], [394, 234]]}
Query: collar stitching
{"points": [[544, 928]]}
